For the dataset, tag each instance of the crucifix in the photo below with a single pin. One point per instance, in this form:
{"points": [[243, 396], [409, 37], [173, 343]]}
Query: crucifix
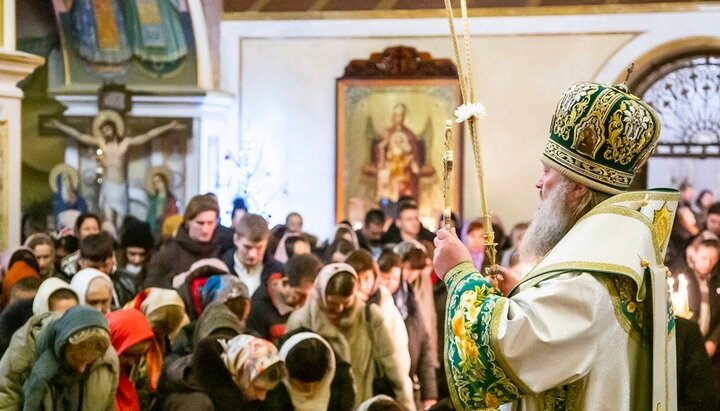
{"points": [[108, 136]]}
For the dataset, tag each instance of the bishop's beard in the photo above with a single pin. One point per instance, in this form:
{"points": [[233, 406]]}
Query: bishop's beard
{"points": [[553, 219]]}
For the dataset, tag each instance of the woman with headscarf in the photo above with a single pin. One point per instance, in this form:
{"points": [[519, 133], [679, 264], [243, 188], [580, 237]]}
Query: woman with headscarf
{"points": [[20, 253], [72, 367], [132, 337], [356, 333], [94, 289], [310, 362], [165, 311], [223, 375], [342, 242], [54, 295]]}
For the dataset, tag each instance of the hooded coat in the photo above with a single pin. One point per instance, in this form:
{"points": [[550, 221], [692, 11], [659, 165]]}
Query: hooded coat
{"points": [[18, 373], [216, 316]]}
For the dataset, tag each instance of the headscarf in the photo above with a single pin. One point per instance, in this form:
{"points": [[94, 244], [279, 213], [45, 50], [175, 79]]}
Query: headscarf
{"points": [[281, 253], [49, 366], [349, 228], [324, 277], [17, 272], [222, 287], [82, 279], [127, 328], [154, 298], [41, 303], [247, 358], [365, 405], [148, 301], [319, 399], [7, 257], [215, 263]]}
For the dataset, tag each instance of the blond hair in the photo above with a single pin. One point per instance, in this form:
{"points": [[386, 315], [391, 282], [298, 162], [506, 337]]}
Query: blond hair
{"points": [[95, 337]]}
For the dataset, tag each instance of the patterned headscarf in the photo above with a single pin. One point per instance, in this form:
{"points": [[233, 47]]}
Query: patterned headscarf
{"points": [[247, 358]]}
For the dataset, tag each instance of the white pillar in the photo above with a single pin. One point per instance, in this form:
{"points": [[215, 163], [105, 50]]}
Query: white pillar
{"points": [[14, 67]]}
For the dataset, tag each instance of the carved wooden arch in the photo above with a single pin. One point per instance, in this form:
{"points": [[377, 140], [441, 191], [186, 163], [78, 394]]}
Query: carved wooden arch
{"points": [[400, 62]]}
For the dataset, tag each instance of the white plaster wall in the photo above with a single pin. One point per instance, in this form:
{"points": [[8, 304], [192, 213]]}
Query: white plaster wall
{"points": [[283, 74]]}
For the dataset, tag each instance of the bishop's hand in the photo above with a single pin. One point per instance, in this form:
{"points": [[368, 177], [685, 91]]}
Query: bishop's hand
{"points": [[449, 252], [176, 125], [53, 123]]}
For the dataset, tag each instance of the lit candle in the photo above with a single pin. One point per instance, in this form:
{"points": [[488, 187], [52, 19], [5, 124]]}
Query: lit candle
{"points": [[679, 298], [682, 290]]}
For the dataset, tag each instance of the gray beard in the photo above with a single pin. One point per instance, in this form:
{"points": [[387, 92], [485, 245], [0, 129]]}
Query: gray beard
{"points": [[553, 219]]}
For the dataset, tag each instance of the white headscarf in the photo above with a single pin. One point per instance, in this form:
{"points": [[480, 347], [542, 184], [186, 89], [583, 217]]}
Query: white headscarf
{"points": [[365, 405], [82, 279], [320, 399], [41, 303]]}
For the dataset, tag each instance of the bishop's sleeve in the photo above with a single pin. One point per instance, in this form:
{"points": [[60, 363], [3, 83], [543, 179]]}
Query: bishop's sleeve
{"points": [[499, 349]]}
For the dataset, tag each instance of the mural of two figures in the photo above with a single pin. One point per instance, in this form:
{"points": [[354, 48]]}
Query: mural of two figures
{"points": [[390, 145]]}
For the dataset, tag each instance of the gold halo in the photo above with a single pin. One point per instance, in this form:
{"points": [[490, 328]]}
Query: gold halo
{"points": [[60, 169], [158, 170], [108, 115]]}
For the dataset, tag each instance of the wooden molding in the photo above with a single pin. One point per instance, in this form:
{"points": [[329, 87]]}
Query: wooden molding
{"points": [[400, 62]]}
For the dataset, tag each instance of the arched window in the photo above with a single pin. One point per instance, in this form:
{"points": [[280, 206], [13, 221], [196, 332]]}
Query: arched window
{"points": [[685, 92]]}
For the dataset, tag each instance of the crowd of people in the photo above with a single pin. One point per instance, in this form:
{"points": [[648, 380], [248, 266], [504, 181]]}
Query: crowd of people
{"points": [[243, 317], [209, 317]]}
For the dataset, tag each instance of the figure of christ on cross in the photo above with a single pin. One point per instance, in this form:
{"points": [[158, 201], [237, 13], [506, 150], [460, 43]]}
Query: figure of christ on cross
{"points": [[108, 134]]}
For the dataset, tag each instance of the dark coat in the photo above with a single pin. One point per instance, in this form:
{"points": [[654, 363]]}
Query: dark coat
{"points": [[392, 235], [421, 362], [697, 389], [175, 257], [224, 238], [201, 382], [270, 266], [694, 301], [12, 318], [216, 318], [126, 285]]}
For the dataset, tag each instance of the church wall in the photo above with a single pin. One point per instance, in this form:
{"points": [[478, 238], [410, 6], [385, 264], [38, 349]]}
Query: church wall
{"points": [[283, 73]]}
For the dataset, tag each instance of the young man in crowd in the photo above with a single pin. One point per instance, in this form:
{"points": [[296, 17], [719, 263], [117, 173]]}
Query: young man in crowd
{"points": [[407, 225], [248, 259], [194, 241], [712, 223], [273, 303], [96, 251], [371, 233], [85, 225]]}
